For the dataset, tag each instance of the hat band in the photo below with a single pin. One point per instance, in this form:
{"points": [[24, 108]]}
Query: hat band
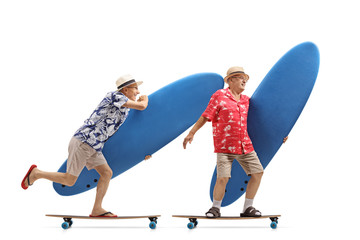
{"points": [[126, 83], [236, 72]]}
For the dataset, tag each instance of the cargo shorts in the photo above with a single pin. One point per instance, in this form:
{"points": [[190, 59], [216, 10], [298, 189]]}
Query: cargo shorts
{"points": [[80, 155], [249, 162]]}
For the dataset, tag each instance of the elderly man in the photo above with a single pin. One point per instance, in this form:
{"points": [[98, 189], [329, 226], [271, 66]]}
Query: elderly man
{"points": [[85, 147], [228, 110]]}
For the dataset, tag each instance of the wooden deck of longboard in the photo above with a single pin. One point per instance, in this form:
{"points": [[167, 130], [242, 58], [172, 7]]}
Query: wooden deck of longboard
{"points": [[68, 219], [226, 217], [101, 218], [193, 219]]}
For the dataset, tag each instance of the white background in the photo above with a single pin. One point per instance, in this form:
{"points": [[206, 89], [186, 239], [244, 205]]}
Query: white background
{"points": [[59, 58]]}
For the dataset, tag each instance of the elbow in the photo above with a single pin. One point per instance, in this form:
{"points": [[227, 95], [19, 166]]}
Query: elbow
{"points": [[143, 107], [204, 119]]}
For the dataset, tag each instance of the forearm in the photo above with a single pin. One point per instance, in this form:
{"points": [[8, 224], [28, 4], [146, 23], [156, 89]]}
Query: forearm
{"points": [[198, 125], [144, 101], [141, 104], [144, 105]]}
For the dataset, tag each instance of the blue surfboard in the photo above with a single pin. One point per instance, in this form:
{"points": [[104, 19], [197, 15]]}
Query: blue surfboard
{"points": [[274, 108], [171, 110]]}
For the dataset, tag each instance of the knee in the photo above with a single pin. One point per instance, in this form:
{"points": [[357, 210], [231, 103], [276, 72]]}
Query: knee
{"points": [[257, 176], [223, 180], [106, 173], [70, 180]]}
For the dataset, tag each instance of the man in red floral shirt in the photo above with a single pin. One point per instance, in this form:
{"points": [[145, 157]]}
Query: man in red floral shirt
{"points": [[228, 110]]}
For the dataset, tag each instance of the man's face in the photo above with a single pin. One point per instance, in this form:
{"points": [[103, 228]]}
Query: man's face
{"points": [[238, 81], [131, 91]]}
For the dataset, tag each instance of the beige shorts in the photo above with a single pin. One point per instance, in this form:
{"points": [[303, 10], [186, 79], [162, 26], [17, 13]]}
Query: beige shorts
{"points": [[249, 162], [81, 155]]}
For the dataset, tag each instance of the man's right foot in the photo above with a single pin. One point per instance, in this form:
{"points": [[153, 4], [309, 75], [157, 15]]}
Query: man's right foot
{"points": [[107, 214], [213, 212], [101, 213]]}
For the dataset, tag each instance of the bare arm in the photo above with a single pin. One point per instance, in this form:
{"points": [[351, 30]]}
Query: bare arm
{"points": [[189, 138], [140, 104]]}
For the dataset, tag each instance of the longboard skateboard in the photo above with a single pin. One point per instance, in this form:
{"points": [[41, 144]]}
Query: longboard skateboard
{"points": [[68, 219], [193, 219]]}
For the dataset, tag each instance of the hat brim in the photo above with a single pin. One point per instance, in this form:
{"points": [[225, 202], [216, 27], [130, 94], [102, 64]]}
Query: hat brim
{"points": [[137, 83], [235, 74]]}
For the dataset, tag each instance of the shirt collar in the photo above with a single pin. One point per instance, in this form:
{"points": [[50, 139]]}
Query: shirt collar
{"points": [[229, 95]]}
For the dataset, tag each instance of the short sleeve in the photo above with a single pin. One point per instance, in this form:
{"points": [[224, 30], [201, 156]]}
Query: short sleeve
{"points": [[119, 99], [212, 108]]}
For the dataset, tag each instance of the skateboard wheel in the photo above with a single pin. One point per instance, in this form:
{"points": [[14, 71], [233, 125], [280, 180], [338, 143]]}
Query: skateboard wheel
{"points": [[191, 225], [152, 225], [273, 225], [65, 225]]}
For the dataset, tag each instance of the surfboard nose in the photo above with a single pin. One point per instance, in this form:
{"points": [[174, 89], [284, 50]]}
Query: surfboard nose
{"points": [[309, 49], [313, 55], [305, 58]]}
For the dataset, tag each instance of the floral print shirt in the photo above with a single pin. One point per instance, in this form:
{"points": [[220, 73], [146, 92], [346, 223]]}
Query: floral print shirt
{"points": [[229, 122], [104, 121]]}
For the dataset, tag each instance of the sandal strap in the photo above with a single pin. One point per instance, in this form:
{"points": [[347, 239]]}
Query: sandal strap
{"points": [[105, 213], [251, 211], [215, 211], [28, 179]]}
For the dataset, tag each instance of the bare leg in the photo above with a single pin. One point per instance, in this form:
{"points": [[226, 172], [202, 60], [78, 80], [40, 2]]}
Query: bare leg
{"points": [[218, 195], [103, 184], [253, 185], [62, 178], [219, 189]]}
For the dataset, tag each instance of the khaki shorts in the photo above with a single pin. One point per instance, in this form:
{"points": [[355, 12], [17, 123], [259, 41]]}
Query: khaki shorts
{"points": [[249, 162], [81, 155]]}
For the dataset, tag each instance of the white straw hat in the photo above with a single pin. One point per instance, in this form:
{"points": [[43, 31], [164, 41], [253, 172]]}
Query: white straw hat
{"points": [[125, 81]]}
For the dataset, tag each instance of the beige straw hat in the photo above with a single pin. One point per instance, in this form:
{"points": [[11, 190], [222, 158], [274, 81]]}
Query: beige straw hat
{"points": [[233, 71]]}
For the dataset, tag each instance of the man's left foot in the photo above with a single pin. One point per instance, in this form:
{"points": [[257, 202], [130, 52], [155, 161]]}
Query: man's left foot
{"points": [[251, 212], [28, 180]]}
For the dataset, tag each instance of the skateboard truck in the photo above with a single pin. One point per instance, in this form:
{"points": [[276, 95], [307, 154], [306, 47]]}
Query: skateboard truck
{"points": [[153, 222], [193, 223], [67, 223], [153, 219], [274, 222]]}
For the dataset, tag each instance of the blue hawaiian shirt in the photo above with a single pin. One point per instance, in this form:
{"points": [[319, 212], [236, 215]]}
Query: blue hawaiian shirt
{"points": [[104, 121]]}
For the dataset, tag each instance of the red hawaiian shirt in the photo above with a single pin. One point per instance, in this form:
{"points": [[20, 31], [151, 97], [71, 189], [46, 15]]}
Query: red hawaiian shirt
{"points": [[229, 121]]}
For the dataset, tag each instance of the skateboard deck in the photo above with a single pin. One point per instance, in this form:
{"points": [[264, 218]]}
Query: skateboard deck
{"points": [[193, 219], [68, 219]]}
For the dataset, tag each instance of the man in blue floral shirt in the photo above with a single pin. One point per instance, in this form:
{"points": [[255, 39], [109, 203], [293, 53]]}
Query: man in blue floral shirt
{"points": [[85, 148]]}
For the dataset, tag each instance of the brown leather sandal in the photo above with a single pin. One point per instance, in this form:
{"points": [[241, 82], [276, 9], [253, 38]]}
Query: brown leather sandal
{"points": [[214, 211], [251, 212]]}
